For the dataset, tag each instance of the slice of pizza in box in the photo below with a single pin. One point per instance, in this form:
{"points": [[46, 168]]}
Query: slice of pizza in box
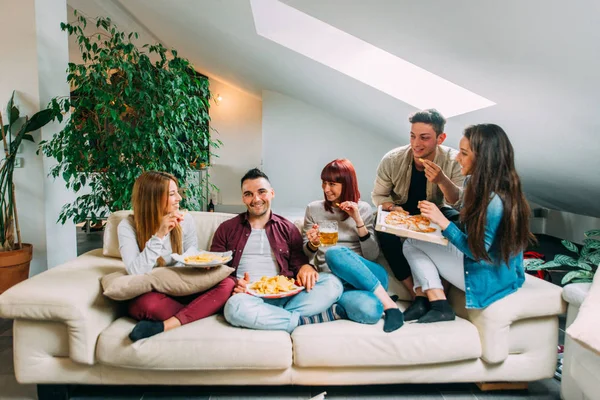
{"points": [[400, 223]]}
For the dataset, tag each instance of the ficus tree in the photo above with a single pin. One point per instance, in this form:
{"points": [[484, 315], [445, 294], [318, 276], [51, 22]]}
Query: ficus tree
{"points": [[131, 109]]}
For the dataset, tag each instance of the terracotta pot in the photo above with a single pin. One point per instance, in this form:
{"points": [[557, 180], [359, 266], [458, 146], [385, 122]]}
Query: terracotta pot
{"points": [[14, 266]]}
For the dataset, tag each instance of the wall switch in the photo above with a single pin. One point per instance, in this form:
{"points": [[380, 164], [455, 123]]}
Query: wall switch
{"points": [[19, 162]]}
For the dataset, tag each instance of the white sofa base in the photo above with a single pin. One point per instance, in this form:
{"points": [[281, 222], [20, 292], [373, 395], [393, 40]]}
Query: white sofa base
{"points": [[581, 366], [46, 361]]}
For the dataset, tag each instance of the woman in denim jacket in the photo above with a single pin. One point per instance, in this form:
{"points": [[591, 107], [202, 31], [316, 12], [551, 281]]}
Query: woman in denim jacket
{"points": [[485, 254]]}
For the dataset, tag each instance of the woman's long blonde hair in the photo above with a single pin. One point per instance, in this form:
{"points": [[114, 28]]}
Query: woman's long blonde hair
{"points": [[149, 200]]}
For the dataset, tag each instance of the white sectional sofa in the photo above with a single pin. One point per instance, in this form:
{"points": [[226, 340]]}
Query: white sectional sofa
{"points": [[67, 332], [581, 365]]}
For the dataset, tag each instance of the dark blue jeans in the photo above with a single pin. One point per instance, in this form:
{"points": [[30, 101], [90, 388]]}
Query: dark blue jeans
{"points": [[360, 277]]}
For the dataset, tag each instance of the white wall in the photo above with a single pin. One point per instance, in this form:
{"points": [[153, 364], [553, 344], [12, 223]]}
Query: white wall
{"points": [[18, 71], [563, 224], [570, 226], [53, 57], [299, 140], [237, 121], [30, 67]]}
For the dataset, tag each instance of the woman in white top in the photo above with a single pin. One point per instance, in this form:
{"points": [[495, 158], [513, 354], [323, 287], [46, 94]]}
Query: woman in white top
{"points": [[365, 296], [146, 240]]}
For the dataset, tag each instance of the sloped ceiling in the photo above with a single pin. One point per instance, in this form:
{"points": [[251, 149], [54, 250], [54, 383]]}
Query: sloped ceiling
{"points": [[539, 60]]}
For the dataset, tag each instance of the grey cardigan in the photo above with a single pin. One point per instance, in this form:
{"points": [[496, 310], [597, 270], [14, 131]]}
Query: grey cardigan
{"points": [[347, 232]]}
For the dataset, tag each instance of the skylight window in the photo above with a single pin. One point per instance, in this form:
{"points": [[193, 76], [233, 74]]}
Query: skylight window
{"points": [[360, 60]]}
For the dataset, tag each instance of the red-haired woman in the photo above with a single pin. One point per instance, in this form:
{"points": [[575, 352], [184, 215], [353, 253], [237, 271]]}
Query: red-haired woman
{"points": [[146, 240], [365, 296]]}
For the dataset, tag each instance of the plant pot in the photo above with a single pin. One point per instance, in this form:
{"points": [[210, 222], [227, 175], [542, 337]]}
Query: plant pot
{"points": [[14, 266]]}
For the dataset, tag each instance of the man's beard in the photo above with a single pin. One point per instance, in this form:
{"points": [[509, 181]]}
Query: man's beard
{"points": [[253, 212]]}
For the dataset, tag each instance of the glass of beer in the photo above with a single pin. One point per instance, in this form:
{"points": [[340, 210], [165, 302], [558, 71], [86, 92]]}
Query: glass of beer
{"points": [[328, 233]]}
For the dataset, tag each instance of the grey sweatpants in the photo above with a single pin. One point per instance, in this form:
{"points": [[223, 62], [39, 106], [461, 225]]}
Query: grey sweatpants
{"points": [[428, 261]]}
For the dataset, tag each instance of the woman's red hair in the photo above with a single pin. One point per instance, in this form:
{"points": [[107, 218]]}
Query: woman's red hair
{"points": [[341, 171]]}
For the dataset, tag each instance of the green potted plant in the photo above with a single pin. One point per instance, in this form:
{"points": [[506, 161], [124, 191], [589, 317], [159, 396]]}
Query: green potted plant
{"points": [[132, 109], [582, 268], [15, 255]]}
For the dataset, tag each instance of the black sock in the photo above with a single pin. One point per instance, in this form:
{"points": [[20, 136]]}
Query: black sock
{"points": [[417, 309], [145, 329], [440, 311], [392, 320]]}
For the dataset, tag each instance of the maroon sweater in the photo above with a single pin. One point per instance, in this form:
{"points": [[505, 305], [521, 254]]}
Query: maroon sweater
{"points": [[284, 238]]}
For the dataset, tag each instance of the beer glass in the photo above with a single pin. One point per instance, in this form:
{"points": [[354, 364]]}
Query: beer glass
{"points": [[328, 233]]}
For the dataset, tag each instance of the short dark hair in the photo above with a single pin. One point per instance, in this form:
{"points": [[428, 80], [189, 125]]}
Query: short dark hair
{"points": [[254, 173], [430, 116]]}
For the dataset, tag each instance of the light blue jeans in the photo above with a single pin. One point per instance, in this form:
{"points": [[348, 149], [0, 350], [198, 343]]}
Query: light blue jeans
{"points": [[253, 312], [361, 277]]}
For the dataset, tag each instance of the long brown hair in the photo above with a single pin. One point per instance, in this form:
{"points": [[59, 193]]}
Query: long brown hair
{"points": [[341, 171], [493, 172], [149, 200]]}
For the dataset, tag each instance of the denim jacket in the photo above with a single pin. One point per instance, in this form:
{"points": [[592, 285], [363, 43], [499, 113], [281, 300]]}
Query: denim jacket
{"points": [[487, 282]]}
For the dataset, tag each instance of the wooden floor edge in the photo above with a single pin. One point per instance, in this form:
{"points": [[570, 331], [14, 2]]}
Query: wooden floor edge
{"points": [[487, 386]]}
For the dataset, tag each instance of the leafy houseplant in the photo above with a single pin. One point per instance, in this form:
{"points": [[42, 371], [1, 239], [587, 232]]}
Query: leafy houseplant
{"points": [[133, 109], [583, 268], [14, 255]]}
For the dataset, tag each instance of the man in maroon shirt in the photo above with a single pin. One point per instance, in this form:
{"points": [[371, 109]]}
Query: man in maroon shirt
{"points": [[266, 244]]}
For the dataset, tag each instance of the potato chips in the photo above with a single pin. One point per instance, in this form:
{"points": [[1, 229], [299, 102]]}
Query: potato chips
{"points": [[273, 285], [204, 258]]}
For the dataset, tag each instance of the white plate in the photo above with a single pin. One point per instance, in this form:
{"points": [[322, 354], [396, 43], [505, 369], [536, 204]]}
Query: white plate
{"points": [[399, 230], [275, 296], [180, 258]]}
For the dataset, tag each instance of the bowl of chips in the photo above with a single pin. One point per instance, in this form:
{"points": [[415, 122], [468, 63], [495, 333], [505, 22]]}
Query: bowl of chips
{"points": [[274, 287], [202, 259]]}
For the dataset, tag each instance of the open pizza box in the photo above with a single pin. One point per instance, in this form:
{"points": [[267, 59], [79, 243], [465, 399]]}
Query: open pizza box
{"points": [[403, 231]]}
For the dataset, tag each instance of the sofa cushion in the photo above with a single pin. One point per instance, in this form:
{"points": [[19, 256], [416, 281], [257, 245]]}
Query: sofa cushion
{"points": [[536, 298], [586, 326], [207, 344], [206, 225], [349, 344], [172, 281]]}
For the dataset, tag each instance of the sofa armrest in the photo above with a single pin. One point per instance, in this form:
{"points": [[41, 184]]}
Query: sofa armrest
{"points": [[536, 298], [70, 293]]}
